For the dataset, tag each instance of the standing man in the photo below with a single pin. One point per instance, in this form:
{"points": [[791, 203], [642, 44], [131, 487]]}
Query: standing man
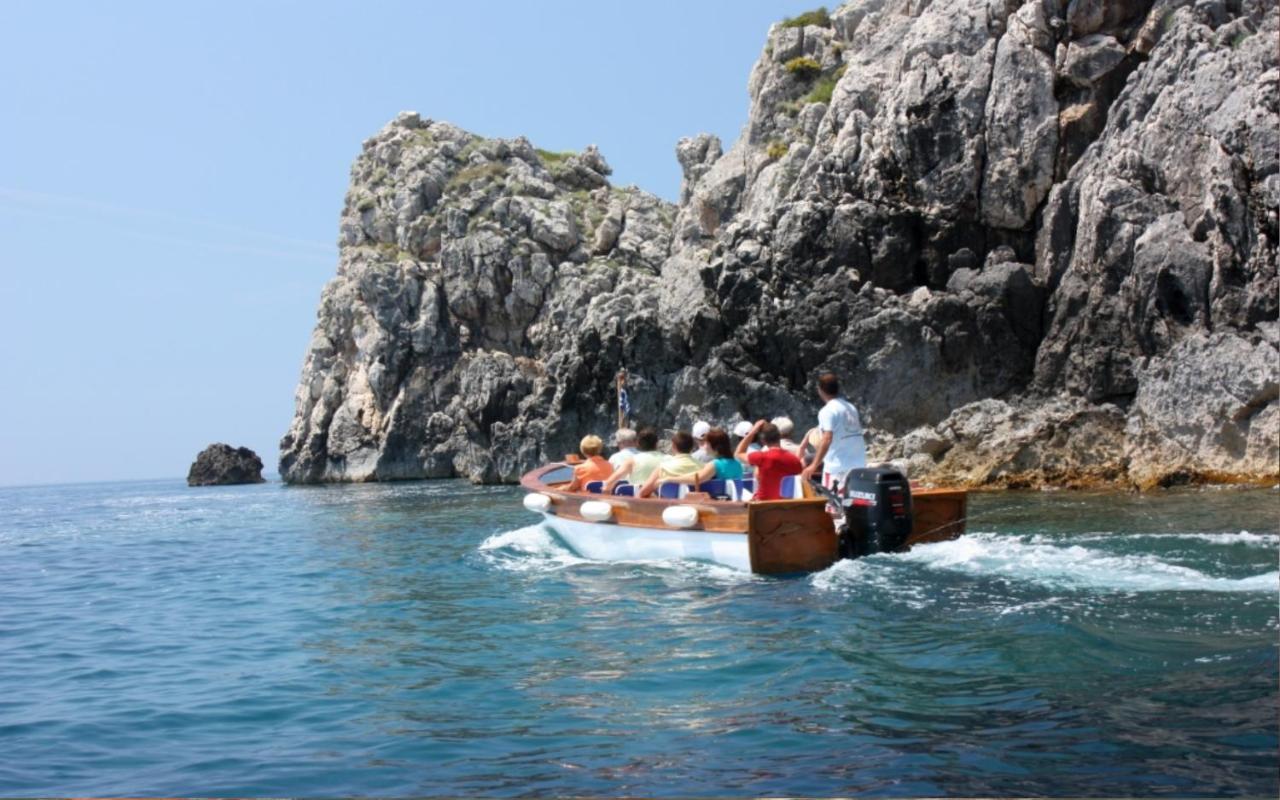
{"points": [[841, 446]]}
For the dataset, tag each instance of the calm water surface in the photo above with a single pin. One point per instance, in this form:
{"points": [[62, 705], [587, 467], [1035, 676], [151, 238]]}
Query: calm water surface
{"points": [[425, 639]]}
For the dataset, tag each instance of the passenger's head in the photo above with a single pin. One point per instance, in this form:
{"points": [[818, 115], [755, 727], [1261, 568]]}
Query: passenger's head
{"points": [[647, 439], [591, 445], [813, 438], [742, 429], [625, 437], [785, 426], [769, 435], [682, 442], [829, 385], [718, 441], [700, 429]]}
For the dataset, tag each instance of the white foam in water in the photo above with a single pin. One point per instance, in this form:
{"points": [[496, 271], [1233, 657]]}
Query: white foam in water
{"points": [[1245, 538], [1076, 567], [530, 548]]}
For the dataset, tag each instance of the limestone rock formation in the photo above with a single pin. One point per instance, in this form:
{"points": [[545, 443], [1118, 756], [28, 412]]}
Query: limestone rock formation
{"points": [[1038, 239], [224, 465]]}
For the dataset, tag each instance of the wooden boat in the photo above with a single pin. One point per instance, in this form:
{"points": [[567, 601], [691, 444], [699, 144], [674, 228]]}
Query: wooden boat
{"points": [[768, 537]]}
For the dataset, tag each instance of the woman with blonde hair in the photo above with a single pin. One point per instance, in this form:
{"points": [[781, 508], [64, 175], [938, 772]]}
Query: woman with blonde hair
{"points": [[594, 466]]}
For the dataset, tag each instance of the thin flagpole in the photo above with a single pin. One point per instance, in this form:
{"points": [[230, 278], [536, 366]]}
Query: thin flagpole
{"points": [[622, 378]]}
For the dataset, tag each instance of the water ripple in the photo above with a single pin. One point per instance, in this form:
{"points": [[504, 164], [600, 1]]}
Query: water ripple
{"points": [[426, 639]]}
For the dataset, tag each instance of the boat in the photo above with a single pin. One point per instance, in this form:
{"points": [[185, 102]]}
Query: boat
{"points": [[811, 529]]}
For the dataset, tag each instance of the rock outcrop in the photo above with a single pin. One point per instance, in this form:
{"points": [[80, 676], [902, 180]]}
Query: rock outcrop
{"points": [[224, 465], [1039, 241]]}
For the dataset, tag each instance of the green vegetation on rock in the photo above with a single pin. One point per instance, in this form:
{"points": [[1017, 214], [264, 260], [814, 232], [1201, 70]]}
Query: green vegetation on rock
{"points": [[821, 91], [776, 150], [550, 157], [818, 16], [803, 67], [476, 173]]}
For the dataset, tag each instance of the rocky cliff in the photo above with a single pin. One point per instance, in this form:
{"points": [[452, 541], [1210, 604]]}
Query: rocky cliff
{"points": [[1038, 241]]}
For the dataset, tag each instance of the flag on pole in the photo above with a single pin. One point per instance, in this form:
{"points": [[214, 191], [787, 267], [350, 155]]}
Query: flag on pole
{"points": [[624, 403]]}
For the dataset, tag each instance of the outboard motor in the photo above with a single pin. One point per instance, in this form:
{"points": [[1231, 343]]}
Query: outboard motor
{"points": [[876, 502]]}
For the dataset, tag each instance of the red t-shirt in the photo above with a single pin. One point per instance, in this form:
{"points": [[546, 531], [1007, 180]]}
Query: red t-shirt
{"points": [[772, 465]]}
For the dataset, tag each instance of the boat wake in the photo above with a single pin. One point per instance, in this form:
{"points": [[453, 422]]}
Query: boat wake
{"points": [[1054, 565], [1243, 538], [532, 548]]}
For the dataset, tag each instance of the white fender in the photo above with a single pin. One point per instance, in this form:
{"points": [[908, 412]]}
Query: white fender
{"points": [[596, 511], [537, 502], [680, 516]]}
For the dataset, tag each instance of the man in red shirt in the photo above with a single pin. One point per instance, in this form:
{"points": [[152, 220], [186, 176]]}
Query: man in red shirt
{"points": [[772, 463]]}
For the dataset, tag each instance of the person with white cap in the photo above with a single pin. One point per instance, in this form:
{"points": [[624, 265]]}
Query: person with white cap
{"points": [[786, 428], [742, 430], [700, 452]]}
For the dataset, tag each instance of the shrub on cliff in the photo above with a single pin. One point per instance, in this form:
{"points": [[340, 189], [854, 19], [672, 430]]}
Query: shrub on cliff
{"points": [[802, 67], [818, 16], [822, 90], [550, 157]]}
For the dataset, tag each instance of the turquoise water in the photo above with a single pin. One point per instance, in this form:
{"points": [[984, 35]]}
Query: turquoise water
{"points": [[424, 639]]}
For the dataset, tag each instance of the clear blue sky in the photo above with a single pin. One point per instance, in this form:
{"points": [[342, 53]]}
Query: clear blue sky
{"points": [[171, 177]]}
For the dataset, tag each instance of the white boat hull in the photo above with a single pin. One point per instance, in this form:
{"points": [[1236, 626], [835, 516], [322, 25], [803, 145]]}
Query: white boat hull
{"points": [[611, 542]]}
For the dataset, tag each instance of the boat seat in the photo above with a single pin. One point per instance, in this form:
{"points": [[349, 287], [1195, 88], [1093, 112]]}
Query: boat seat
{"points": [[791, 487], [672, 491], [718, 489], [624, 490], [594, 487], [742, 490]]}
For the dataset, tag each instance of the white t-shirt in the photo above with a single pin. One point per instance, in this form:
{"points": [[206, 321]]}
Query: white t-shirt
{"points": [[617, 458], [848, 449]]}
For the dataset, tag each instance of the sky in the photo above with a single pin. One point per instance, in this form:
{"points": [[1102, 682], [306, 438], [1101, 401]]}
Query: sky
{"points": [[171, 176]]}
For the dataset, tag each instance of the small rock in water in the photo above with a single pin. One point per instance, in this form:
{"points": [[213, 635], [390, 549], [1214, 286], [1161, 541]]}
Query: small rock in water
{"points": [[224, 465]]}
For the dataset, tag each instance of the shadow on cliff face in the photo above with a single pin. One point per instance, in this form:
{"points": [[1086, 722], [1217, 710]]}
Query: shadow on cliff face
{"points": [[1037, 241]]}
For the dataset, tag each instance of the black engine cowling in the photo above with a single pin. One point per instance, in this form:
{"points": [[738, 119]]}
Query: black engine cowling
{"points": [[877, 511]]}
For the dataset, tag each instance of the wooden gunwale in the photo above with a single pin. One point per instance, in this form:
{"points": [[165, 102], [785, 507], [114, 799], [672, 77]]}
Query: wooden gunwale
{"points": [[714, 516], [939, 513]]}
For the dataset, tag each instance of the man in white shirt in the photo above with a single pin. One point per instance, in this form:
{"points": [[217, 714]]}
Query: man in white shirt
{"points": [[625, 439], [841, 447]]}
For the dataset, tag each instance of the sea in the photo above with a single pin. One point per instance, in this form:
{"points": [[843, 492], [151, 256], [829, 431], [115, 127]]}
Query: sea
{"points": [[433, 639]]}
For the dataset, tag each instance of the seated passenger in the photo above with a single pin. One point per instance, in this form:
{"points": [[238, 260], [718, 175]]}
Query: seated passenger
{"points": [[679, 463], [772, 463], [700, 452], [640, 466], [809, 445], [625, 439], [785, 428], [741, 430], [723, 466], [594, 467]]}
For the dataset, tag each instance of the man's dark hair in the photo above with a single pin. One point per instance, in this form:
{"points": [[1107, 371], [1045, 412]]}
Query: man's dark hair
{"points": [[647, 439], [829, 384], [682, 442], [770, 435]]}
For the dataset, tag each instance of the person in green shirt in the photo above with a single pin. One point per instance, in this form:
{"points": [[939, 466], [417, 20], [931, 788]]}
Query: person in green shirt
{"points": [[679, 463], [640, 465]]}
